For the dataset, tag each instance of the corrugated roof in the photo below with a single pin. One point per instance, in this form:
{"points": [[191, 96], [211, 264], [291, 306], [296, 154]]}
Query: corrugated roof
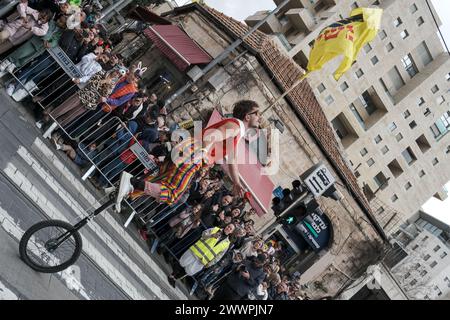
{"points": [[177, 46]]}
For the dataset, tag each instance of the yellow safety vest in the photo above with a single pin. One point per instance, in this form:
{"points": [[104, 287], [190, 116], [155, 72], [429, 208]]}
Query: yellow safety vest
{"points": [[207, 250]]}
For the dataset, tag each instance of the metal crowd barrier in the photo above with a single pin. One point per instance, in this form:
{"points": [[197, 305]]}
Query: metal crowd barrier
{"points": [[105, 144]]}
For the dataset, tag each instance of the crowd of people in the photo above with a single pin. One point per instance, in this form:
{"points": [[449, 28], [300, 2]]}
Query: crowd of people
{"points": [[210, 235]]}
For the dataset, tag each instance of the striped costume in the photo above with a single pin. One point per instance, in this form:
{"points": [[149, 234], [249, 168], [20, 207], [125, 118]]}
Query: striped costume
{"points": [[176, 176]]}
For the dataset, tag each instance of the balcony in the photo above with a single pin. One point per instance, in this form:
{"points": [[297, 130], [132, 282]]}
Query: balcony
{"points": [[423, 77], [301, 19], [368, 108], [344, 130], [324, 5], [271, 26], [293, 4]]}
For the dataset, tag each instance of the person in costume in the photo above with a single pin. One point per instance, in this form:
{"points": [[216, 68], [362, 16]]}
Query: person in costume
{"points": [[219, 142]]}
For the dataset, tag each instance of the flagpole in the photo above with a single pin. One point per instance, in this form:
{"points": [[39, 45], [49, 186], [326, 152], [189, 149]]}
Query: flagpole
{"points": [[287, 92]]}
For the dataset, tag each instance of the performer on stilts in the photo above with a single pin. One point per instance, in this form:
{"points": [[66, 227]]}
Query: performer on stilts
{"points": [[219, 142]]}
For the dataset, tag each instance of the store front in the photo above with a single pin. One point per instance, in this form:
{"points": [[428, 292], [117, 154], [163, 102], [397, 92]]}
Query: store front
{"points": [[303, 244]]}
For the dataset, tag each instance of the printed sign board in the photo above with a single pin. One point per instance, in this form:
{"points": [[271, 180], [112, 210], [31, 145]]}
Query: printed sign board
{"points": [[316, 230], [318, 179], [65, 63], [142, 155]]}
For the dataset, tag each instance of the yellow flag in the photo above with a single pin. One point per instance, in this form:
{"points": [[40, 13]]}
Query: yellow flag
{"points": [[345, 38]]}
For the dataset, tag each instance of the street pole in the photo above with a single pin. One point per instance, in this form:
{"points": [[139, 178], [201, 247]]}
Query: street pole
{"points": [[225, 53]]}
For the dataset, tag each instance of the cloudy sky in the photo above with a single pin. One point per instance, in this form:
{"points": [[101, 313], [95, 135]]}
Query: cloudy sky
{"points": [[240, 9]]}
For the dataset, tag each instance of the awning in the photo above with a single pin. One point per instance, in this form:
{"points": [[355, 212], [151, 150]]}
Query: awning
{"points": [[176, 45], [259, 185], [145, 15]]}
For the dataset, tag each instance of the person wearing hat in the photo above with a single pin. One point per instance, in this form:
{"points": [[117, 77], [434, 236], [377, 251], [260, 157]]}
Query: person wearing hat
{"points": [[124, 90], [243, 280]]}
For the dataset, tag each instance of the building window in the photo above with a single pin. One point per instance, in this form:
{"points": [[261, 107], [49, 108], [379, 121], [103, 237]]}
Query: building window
{"points": [[421, 173], [408, 186], [433, 264], [427, 112], [413, 8], [357, 116], [409, 65], [396, 78], [440, 100], [441, 126], [421, 101], [420, 21], [395, 168], [434, 89], [370, 162], [427, 257], [367, 48], [424, 53], [409, 156], [321, 88], [407, 275], [374, 60], [447, 76], [443, 255], [384, 150], [423, 144], [329, 100], [435, 161], [359, 73], [412, 124], [357, 174], [389, 47], [394, 198], [382, 34], [416, 266], [392, 126], [378, 139], [344, 86], [406, 114], [397, 22], [404, 34], [354, 5], [424, 238], [376, 3], [399, 137], [363, 152], [437, 248], [381, 180], [423, 273]]}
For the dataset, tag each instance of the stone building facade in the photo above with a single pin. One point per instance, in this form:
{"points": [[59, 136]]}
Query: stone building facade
{"points": [[390, 111]]}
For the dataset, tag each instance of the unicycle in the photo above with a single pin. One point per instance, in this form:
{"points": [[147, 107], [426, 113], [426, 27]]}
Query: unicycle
{"points": [[53, 245]]}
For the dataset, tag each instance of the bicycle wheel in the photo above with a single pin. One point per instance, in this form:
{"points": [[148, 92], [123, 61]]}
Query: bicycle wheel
{"points": [[50, 246]]}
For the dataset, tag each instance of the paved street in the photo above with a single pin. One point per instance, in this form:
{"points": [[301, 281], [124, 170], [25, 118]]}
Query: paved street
{"points": [[37, 183]]}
